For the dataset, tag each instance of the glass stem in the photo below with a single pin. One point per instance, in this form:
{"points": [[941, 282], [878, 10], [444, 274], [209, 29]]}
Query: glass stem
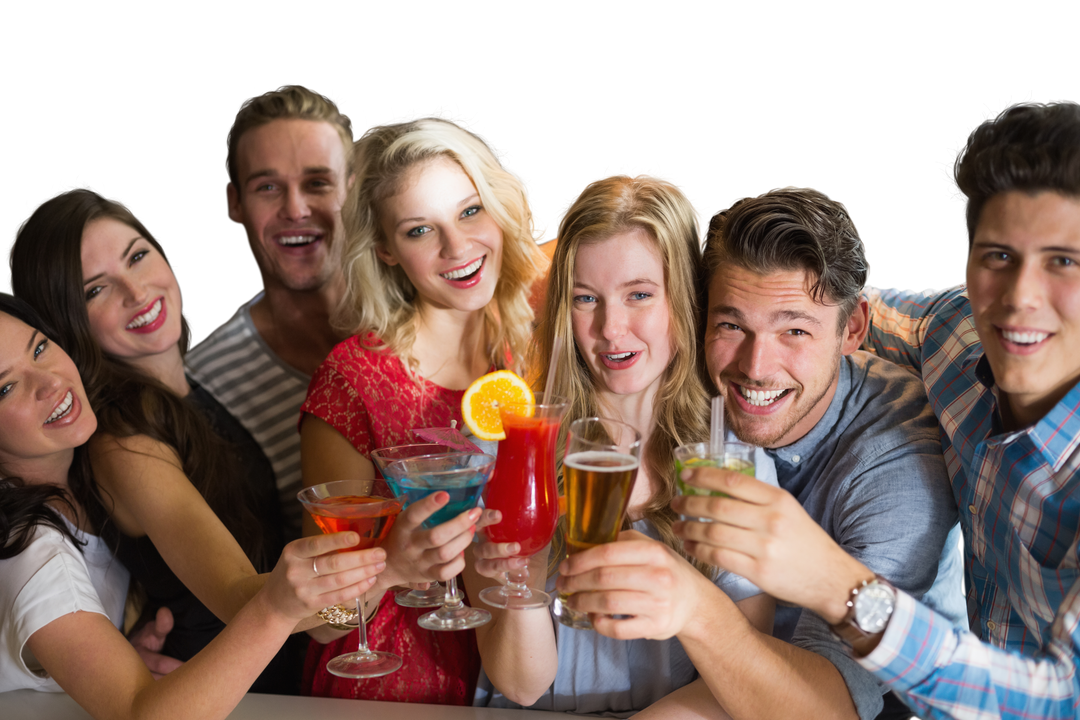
{"points": [[361, 602], [517, 581], [452, 600]]}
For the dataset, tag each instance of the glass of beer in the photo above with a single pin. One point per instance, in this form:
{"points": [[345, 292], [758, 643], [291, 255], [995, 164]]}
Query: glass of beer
{"points": [[599, 470], [736, 456]]}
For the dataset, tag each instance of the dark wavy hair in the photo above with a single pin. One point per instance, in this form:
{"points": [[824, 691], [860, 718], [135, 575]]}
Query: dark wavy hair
{"points": [[791, 229], [46, 272], [23, 507]]}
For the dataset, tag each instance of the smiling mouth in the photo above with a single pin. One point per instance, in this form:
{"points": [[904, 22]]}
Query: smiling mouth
{"points": [[1024, 338], [147, 317], [619, 357], [62, 409], [761, 398], [296, 240], [465, 273]]}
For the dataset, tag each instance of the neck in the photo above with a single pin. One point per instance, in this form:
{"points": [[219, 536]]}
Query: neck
{"points": [[450, 346], [1016, 414], [166, 368], [635, 410], [296, 323]]}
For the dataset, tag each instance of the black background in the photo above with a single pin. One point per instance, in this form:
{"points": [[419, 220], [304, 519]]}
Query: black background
{"points": [[871, 143]]}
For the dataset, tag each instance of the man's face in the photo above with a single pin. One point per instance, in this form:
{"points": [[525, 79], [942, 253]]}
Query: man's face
{"points": [[774, 353], [293, 181], [1023, 278]]}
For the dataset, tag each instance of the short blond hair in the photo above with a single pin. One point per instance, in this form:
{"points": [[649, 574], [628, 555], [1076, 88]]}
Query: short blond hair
{"points": [[379, 298]]}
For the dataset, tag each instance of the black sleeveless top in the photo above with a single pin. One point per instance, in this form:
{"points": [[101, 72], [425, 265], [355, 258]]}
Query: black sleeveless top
{"points": [[195, 625]]}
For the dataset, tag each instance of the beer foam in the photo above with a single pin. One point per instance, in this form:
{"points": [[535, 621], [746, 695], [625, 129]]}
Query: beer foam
{"points": [[601, 460]]}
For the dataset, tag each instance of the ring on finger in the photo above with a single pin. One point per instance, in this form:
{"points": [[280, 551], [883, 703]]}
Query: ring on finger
{"points": [[315, 566]]}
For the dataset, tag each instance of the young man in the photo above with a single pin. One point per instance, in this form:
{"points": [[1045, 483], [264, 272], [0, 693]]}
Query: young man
{"points": [[290, 155], [1001, 363], [852, 437]]}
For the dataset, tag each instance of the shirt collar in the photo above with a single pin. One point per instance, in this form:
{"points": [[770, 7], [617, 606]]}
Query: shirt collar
{"points": [[800, 450]]}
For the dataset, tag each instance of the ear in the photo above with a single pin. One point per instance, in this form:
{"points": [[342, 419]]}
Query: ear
{"points": [[236, 210], [858, 325], [383, 254]]}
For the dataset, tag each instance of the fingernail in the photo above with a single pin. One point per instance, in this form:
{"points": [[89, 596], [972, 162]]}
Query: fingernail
{"points": [[474, 514], [471, 530], [379, 567], [442, 497]]}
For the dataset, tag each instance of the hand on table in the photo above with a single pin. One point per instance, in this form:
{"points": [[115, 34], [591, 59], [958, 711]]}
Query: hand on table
{"points": [[634, 576], [150, 639], [762, 533]]}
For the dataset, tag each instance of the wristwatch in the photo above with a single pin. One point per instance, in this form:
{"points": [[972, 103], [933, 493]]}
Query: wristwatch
{"points": [[870, 606]]}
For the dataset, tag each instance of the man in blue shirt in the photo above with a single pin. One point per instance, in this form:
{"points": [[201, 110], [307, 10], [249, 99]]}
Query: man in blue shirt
{"points": [[1000, 362], [853, 441]]}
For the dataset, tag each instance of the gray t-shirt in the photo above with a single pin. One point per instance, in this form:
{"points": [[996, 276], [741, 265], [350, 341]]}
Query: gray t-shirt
{"points": [[872, 475]]}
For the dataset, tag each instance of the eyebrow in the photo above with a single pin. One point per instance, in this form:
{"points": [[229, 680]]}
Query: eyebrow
{"points": [[269, 172], [29, 346], [986, 244], [628, 283], [778, 316], [127, 250], [463, 203]]}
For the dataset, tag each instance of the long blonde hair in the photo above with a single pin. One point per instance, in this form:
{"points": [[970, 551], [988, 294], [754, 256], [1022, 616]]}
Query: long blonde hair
{"points": [[607, 208], [379, 299]]}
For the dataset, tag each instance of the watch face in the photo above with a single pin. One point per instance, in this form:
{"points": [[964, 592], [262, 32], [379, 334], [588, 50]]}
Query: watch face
{"points": [[873, 606]]}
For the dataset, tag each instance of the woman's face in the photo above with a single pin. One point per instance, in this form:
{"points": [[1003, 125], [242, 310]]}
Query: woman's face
{"points": [[43, 407], [620, 315], [439, 232], [132, 296]]}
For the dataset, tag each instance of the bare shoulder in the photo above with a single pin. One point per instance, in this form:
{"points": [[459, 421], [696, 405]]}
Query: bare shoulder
{"points": [[114, 452]]}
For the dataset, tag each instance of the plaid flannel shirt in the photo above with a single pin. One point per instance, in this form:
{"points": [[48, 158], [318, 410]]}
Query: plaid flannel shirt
{"points": [[1018, 495]]}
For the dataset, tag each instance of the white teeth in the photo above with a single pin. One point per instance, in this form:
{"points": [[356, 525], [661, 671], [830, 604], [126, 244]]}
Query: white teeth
{"points": [[147, 317], [296, 239], [61, 410], [1024, 338], [761, 398], [619, 357], [463, 272]]}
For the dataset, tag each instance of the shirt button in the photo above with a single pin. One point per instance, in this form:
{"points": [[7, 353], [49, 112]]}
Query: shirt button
{"points": [[990, 625], [971, 509], [795, 458]]}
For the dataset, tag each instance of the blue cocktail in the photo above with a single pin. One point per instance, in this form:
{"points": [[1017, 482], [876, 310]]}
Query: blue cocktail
{"points": [[462, 476]]}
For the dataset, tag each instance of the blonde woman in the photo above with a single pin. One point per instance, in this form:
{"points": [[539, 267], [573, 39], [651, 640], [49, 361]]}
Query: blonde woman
{"points": [[622, 292], [439, 264]]}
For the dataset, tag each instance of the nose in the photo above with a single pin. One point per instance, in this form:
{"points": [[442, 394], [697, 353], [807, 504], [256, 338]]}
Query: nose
{"points": [[295, 205], [1024, 288], [46, 383], [134, 290], [455, 243], [613, 321], [756, 358]]}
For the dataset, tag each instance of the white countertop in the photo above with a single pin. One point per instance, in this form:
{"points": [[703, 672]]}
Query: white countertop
{"points": [[33, 705]]}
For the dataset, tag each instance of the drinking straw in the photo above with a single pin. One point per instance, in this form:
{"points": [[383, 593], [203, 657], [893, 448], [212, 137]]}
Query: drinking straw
{"points": [[556, 347], [716, 429]]}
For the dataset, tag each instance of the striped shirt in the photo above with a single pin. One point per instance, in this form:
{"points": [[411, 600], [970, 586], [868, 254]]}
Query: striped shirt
{"points": [[1018, 495], [240, 370]]}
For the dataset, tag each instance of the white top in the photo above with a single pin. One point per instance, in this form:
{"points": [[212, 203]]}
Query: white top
{"points": [[46, 581]]}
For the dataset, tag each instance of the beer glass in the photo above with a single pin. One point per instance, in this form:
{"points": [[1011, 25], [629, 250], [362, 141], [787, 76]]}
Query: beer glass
{"points": [[599, 470]]}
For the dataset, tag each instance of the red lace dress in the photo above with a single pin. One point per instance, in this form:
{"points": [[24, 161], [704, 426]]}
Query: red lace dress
{"points": [[371, 400]]}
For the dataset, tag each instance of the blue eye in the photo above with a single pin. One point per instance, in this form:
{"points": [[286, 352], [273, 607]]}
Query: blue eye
{"points": [[418, 231], [469, 212], [640, 296], [584, 298]]}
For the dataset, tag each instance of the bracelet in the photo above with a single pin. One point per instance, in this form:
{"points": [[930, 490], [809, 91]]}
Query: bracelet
{"points": [[337, 616]]}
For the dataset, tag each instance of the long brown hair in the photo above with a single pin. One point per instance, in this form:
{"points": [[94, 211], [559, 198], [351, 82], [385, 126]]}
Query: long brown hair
{"points": [[46, 272], [605, 209]]}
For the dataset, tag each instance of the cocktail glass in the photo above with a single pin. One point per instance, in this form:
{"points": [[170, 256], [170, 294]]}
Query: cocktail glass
{"points": [[433, 596], [524, 488], [368, 508], [463, 476], [599, 470], [737, 456]]}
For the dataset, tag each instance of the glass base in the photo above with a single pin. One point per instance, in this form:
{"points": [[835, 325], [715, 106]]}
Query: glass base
{"points": [[432, 597], [570, 618], [510, 598], [450, 619], [363, 664]]}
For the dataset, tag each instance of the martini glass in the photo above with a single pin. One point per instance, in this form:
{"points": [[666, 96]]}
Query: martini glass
{"points": [[525, 491], [368, 508], [462, 476], [433, 596]]}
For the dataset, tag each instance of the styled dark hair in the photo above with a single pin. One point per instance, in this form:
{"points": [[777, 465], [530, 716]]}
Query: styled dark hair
{"points": [[23, 507], [290, 102], [46, 272], [792, 229], [1028, 147]]}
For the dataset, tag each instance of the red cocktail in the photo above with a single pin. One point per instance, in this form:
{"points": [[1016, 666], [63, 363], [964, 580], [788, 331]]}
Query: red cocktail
{"points": [[524, 490]]}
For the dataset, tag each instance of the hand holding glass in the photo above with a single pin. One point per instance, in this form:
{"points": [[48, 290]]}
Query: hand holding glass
{"points": [[735, 456]]}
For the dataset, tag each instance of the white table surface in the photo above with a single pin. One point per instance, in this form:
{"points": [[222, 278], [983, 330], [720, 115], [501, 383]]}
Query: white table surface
{"points": [[33, 705]]}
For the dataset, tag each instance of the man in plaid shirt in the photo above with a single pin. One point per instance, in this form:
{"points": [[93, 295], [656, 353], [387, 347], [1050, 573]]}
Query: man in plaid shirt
{"points": [[1001, 364]]}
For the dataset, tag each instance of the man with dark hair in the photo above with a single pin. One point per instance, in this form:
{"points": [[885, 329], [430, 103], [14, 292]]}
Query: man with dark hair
{"points": [[1000, 361], [290, 166], [853, 441]]}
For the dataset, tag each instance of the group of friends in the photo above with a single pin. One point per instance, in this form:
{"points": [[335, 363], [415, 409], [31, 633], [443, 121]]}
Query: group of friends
{"points": [[398, 269]]}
